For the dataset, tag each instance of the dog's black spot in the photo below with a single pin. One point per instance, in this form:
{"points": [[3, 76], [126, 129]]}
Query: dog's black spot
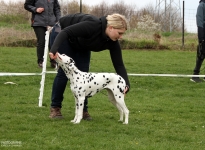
{"points": [[119, 96], [89, 86], [80, 88], [89, 95], [121, 90], [104, 85], [81, 104], [108, 82], [94, 82], [104, 76]]}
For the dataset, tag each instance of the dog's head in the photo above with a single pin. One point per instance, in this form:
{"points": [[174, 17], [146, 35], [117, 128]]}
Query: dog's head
{"points": [[65, 62]]}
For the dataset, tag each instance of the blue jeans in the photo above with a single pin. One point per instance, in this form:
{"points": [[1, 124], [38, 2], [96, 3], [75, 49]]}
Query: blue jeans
{"points": [[82, 61]]}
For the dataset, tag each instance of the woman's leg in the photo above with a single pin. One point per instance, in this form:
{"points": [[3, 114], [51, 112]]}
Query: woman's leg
{"points": [[197, 67], [40, 35]]}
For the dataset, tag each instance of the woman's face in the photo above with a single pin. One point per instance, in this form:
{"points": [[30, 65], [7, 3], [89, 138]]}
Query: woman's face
{"points": [[115, 34]]}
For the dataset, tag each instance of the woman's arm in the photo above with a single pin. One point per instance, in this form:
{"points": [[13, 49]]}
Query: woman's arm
{"points": [[200, 21], [116, 56], [57, 11], [29, 6]]}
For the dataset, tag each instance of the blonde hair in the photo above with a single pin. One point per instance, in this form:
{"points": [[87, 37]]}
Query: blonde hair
{"points": [[117, 21]]}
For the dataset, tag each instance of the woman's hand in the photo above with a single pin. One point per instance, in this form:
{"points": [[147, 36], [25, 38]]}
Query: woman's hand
{"points": [[126, 89], [53, 56], [39, 10]]}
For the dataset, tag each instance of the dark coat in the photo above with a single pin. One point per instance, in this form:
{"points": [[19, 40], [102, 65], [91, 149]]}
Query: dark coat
{"points": [[200, 20], [48, 17]]}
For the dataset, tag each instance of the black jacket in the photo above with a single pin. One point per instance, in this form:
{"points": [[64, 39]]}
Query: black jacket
{"points": [[87, 33], [48, 17], [200, 20]]}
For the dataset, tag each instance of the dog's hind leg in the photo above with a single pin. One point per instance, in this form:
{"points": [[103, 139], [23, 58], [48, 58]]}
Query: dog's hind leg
{"points": [[113, 101], [120, 101]]}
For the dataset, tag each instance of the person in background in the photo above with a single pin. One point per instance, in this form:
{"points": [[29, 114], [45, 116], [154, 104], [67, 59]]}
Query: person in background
{"points": [[45, 13], [80, 34], [200, 20]]}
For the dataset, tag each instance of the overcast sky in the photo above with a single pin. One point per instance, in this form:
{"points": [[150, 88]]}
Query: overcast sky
{"points": [[189, 4]]}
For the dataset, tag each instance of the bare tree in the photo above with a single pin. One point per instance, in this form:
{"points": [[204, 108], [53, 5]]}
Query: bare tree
{"points": [[100, 9]]}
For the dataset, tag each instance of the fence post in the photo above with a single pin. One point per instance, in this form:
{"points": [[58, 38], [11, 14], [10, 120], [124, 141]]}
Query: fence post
{"points": [[183, 27], [44, 69]]}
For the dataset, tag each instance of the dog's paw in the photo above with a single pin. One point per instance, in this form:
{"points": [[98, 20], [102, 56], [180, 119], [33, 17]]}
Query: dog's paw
{"points": [[76, 122], [72, 121], [120, 120], [125, 122]]}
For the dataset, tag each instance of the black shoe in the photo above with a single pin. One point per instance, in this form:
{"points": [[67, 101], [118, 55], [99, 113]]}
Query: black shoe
{"points": [[40, 64], [196, 79], [86, 116]]}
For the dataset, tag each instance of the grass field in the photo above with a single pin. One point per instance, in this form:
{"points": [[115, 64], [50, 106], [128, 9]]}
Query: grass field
{"points": [[166, 113]]}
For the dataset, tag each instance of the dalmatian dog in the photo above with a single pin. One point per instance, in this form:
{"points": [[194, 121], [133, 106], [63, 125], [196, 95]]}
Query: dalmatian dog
{"points": [[85, 84]]}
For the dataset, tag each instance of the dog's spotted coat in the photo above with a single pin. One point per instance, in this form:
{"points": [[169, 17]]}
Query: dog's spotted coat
{"points": [[85, 84]]}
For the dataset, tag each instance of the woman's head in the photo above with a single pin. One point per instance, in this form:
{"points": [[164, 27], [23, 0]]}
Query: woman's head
{"points": [[116, 26], [117, 21]]}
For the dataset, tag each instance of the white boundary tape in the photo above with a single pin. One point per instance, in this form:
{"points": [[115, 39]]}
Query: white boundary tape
{"points": [[43, 73], [19, 74], [130, 74], [166, 75]]}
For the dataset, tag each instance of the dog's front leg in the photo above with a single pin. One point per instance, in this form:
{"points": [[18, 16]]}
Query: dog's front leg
{"points": [[76, 108], [79, 110]]}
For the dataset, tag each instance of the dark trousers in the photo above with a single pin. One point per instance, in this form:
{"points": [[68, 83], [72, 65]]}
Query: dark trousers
{"points": [[199, 62], [40, 35], [82, 61]]}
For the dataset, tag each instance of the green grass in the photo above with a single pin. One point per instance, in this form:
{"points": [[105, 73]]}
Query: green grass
{"points": [[166, 113]]}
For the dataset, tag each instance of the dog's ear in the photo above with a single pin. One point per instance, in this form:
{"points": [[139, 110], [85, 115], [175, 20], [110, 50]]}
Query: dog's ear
{"points": [[72, 61]]}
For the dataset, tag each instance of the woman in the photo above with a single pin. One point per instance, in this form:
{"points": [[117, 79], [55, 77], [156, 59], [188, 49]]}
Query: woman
{"points": [[200, 55], [80, 34], [44, 14]]}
